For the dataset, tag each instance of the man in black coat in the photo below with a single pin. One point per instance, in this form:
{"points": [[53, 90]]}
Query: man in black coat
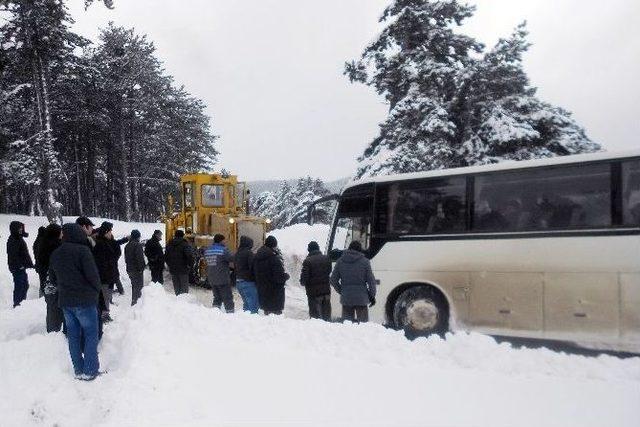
{"points": [[73, 270], [155, 257], [180, 259], [37, 244], [107, 252], [19, 260], [134, 258], [316, 269], [48, 244], [270, 276]]}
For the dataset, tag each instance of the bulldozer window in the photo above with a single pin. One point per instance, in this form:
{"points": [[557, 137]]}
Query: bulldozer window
{"points": [[213, 196]]}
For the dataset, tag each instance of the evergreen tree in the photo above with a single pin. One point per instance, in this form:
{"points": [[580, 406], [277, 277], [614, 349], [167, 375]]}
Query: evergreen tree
{"points": [[451, 103]]}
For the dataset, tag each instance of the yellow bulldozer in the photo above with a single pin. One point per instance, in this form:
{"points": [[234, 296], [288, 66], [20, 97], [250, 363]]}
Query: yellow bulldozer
{"points": [[213, 204]]}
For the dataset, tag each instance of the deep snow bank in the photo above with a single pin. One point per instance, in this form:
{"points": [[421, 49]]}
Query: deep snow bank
{"points": [[172, 361]]}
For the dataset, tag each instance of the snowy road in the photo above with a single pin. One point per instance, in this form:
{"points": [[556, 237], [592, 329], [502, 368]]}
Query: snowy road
{"points": [[175, 361]]}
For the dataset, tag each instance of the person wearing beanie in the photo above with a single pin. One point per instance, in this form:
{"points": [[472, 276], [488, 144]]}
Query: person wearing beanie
{"points": [[270, 277], [19, 261], [73, 271], [180, 258], [134, 258], [218, 273], [50, 242], [245, 277], [107, 252], [316, 269], [353, 279], [155, 257]]}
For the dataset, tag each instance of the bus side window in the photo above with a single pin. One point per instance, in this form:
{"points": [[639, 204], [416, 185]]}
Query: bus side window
{"points": [[631, 193]]}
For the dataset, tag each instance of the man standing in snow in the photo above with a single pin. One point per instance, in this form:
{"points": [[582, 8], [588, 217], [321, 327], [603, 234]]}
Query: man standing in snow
{"points": [[19, 260], [180, 259], [218, 273], [245, 277], [107, 252], [134, 258], [87, 226], [155, 257], [73, 270], [270, 277], [316, 269], [353, 279]]}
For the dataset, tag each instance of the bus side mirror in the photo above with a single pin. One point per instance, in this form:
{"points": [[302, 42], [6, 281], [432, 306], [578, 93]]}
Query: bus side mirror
{"points": [[334, 254]]}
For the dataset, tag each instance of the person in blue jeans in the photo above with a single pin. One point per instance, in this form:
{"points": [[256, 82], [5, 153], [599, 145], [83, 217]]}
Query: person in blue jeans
{"points": [[19, 261], [74, 272], [245, 279]]}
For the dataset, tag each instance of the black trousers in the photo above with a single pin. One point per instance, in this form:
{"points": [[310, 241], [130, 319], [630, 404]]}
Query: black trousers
{"points": [[137, 281], [156, 274], [180, 283], [55, 317], [355, 313], [222, 295], [320, 307]]}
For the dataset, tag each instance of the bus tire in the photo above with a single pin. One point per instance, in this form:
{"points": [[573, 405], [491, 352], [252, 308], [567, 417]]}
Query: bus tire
{"points": [[421, 311]]}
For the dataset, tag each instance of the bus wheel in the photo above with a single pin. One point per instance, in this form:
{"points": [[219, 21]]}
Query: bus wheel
{"points": [[421, 311]]}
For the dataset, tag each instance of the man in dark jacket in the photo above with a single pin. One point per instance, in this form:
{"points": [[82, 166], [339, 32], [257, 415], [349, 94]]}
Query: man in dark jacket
{"points": [[155, 257], [48, 244], [134, 258], [271, 278], [37, 244], [74, 272], [106, 253], [19, 260], [218, 273], [316, 269], [245, 278], [353, 279], [180, 259]]}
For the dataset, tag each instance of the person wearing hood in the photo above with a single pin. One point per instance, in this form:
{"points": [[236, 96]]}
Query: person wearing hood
{"points": [[155, 257], [107, 252], [134, 258], [353, 279], [42, 274], [218, 259], [245, 277], [180, 258], [49, 243], [19, 260], [73, 271], [316, 269], [270, 276]]}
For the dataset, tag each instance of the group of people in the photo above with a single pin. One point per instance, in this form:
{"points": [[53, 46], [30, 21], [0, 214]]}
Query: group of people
{"points": [[77, 265]]}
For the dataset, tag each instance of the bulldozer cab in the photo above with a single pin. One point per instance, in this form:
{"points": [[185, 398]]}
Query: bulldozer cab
{"points": [[214, 204]]}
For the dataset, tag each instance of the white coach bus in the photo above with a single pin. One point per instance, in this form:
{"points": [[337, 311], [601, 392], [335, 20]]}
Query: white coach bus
{"points": [[545, 249]]}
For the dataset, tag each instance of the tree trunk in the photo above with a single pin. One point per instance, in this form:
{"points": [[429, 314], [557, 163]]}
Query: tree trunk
{"points": [[124, 173]]}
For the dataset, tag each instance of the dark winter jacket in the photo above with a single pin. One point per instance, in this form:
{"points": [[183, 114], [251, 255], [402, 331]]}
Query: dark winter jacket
{"points": [[244, 260], [153, 251], [49, 243], [107, 252], [36, 248], [353, 279], [134, 256], [180, 256], [18, 256], [270, 279], [73, 270], [218, 259], [316, 269]]}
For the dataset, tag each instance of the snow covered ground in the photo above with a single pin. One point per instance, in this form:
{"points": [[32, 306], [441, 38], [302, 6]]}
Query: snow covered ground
{"points": [[175, 361]]}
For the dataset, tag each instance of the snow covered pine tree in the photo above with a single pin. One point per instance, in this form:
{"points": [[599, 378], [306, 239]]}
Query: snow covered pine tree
{"points": [[451, 103]]}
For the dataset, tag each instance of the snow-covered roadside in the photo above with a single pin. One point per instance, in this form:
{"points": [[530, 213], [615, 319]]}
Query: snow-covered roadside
{"points": [[172, 361], [175, 361]]}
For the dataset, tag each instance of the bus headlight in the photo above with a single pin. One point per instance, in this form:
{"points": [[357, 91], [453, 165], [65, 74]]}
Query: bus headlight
{"points": [[231, 220]]}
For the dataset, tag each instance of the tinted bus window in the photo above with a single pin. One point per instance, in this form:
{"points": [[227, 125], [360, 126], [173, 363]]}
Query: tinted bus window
{"points": [[571, 197], [631, 193], [354, 217], [423, 207]]}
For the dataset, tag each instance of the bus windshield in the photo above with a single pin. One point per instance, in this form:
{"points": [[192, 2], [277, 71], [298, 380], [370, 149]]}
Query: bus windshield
{"points": [[353, 218]]}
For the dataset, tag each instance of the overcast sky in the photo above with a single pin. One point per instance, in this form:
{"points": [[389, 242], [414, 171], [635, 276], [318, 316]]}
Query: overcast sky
{"points": [[270, 71]]}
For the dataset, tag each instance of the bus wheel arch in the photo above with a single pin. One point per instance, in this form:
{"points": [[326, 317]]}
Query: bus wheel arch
{"points": [[420, 309]]}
